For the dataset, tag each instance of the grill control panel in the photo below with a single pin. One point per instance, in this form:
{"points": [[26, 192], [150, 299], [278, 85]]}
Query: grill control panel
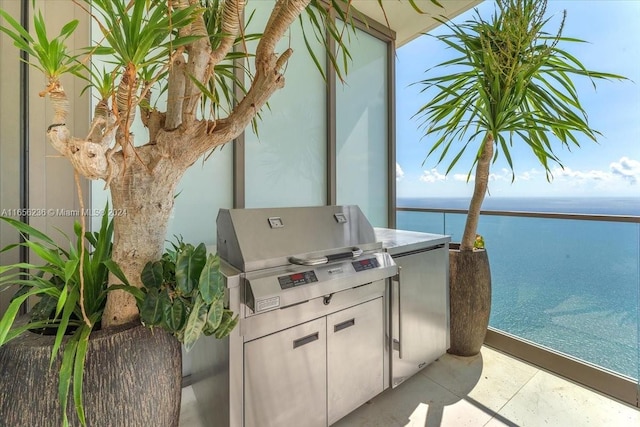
{"points": [[365, 264], [297, 279]]}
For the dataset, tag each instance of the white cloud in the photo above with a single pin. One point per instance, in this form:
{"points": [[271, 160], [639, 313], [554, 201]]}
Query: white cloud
{"points": [[463, 177], [591, 175], [529, 175], [399, 172], [502, 175], [620, 178], [624, 170], [628, 169], [432, 176]]}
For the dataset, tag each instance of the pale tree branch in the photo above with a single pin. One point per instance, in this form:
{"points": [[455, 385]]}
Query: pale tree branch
{"points": [[279, 21], [175, 94], [88, 156], [198, 68], [231, 16], [267, 80]]}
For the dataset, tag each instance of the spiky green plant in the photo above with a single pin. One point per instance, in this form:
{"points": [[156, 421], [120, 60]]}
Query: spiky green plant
{"points": [[62, 304], [50, 54], [512, 84]]}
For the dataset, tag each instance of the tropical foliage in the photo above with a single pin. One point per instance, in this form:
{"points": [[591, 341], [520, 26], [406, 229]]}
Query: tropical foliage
{"points": [[510, 83], [184, 294], [72, 285], [181, 68]]}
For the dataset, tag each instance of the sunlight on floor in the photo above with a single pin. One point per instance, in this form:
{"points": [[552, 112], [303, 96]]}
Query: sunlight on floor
{"points": [[491, 389]]}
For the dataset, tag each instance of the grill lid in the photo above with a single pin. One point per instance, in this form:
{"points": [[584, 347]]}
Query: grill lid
{"points": [[254, 239]]}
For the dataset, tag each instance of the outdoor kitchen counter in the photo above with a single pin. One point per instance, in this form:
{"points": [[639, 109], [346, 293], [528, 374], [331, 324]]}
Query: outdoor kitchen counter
{"points": [[419, 299], [401, 241]]}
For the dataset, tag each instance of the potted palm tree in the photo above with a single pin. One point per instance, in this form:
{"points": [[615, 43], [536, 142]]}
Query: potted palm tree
{"points": [[511, 84], [194, 51]]}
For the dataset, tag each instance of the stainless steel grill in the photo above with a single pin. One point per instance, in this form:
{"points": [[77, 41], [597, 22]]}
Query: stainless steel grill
{"points": [[292, 255], [309, 285], [326, 320]]}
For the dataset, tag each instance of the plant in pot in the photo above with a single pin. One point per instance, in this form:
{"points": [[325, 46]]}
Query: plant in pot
{"points": [[194, 52], [73, 286], [510, 83]]}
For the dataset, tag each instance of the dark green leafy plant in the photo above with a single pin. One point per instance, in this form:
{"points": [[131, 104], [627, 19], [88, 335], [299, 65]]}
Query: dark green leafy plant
{"points": [[184, 294], [57, 283]]}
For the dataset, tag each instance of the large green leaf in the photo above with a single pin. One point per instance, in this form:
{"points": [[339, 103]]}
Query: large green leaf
{"points": [[226, 326], [151, 308], [174, 312], [211, 284], [70, 267], [189, 265], [196, 322], [152, 275], [45, 308], [51, 256], [214, 317]]}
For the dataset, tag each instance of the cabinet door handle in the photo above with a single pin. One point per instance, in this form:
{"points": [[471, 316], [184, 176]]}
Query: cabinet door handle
{"points": [[397, 279], [305, 340], [344, 325]]}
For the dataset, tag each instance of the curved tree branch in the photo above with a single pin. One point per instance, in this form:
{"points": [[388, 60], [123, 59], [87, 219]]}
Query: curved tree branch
{"points": [[267, 80], [231, 16], [279, 21]]}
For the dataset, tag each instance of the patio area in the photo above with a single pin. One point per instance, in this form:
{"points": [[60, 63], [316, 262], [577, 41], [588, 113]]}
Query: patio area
{"points": [[492, 389]]}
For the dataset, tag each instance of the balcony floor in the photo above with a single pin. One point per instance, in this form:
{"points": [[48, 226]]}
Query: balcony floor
{"points": [[491, 389]]}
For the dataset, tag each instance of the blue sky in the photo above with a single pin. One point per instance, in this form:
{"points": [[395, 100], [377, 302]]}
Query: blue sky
{"points": [[609, 168]]}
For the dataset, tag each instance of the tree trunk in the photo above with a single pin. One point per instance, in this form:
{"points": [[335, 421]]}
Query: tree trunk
{"points": [[142, 205], [479, 191]]}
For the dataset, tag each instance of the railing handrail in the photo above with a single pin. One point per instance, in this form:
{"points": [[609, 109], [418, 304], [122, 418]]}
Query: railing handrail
{"points": [[527, 214]]}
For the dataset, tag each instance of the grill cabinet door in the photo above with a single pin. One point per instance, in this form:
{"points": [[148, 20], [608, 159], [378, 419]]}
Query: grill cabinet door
{"points": [[420, 311], [285, 378], [355, 357]]}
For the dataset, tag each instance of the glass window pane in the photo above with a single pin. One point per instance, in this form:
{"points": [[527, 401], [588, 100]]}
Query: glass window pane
{"points": [[204, 189], [362, 130], [286, 163]]}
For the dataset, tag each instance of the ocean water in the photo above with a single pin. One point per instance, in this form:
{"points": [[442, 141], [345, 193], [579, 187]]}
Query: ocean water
{"points": [[568, 284]]}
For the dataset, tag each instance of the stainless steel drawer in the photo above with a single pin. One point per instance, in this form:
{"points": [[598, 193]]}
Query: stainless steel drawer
{"points": [[355, 357], [285, 378]]}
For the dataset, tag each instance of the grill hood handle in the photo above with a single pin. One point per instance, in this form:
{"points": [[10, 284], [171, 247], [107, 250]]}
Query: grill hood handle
{"points": [[355, 253]]}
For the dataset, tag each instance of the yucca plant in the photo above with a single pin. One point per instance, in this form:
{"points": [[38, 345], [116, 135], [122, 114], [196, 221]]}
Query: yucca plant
{"points": [[511, 83]]}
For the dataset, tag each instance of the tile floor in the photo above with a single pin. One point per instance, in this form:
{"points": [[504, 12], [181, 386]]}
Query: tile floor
{"points": [[491, 389]]}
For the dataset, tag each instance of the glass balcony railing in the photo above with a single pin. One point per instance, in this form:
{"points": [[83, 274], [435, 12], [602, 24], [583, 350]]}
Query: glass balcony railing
{"points": [[570, 283]]}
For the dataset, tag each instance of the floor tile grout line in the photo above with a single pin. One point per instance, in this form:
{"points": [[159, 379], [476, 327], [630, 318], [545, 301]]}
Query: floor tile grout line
{"points": [[498, 413]]}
